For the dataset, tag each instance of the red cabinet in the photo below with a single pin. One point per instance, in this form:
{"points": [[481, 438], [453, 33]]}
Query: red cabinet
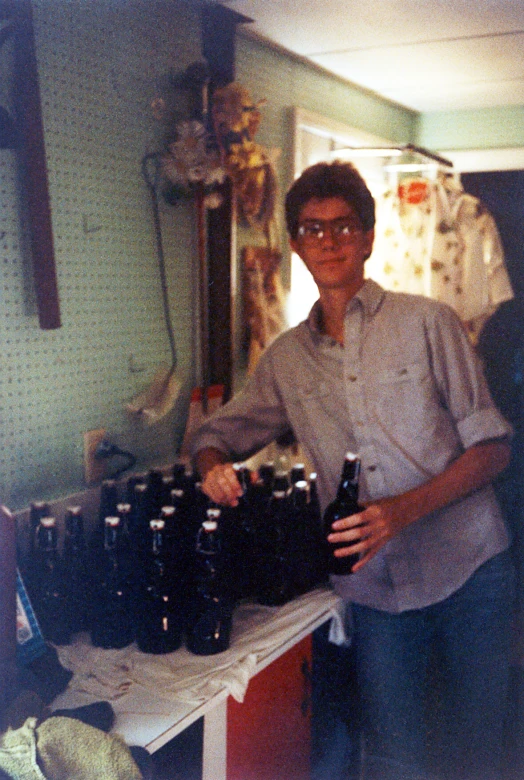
{"points": [[269, 734]]}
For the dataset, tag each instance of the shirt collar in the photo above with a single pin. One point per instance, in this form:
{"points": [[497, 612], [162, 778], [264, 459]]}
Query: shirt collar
{"points": [[369, 296]]}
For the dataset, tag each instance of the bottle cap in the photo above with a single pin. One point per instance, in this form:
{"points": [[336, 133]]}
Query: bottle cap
{"points": [[123, 508], [112, 521], [48, 522], [157, 525], [209, 526], [301, 484], [351, 456], [213, 513], [168, 511], [74, 510]]}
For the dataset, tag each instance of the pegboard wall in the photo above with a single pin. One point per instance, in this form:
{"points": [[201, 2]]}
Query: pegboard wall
{"points": [[100, 64]]}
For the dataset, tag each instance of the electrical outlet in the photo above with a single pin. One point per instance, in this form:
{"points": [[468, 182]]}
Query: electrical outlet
{"points": [[94, 469]]}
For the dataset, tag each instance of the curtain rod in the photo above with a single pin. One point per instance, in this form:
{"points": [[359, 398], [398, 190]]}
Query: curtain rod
{"points": [[388, 151]]}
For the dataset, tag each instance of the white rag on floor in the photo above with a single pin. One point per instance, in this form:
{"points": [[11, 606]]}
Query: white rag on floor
{"points": [[182, 676]]}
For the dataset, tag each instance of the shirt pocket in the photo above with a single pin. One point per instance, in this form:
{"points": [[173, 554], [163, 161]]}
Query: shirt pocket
{"points": [[323, 406], [414, 372], [406, 398]]}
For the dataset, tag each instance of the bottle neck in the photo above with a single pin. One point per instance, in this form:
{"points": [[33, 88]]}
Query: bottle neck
{"points": [[350, 473], [112, 535], [158, 543], [208, 543], [74, 526], [348, 491], [74, 540], [47, 541]]}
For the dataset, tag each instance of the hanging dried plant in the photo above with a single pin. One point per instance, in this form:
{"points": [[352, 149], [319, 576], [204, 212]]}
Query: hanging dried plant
{"points": [[190, 164]]}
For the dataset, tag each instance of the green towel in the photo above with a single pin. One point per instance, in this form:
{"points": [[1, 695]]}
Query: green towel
{"points": [[62, 748], [18, 752]]}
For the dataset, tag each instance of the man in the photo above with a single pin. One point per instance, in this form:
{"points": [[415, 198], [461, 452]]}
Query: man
{"points": [[394, 378]]}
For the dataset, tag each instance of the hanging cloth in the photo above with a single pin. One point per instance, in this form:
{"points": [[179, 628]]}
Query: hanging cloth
{"points": [[434, 239], [483, 281], [404, 234]]}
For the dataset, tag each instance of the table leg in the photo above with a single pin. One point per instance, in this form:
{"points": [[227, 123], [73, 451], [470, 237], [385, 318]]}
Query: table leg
{"points": [[214, 748]]}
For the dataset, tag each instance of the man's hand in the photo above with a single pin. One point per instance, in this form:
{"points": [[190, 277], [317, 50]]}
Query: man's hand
{"points": [[369, 530], [221, 485], [381, 520]]}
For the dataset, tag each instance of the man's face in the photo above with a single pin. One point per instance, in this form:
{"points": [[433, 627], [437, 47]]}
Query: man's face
{"points": [[332, 244]]}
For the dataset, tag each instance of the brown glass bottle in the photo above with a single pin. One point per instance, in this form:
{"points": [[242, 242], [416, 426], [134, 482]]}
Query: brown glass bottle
{"points": [[50, 595], [211, 611], [112, 624], [275, 584], [344, 504], [76, 571], [159, 625]]}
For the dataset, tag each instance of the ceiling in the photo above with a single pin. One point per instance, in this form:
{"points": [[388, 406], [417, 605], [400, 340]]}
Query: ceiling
{"points": [[427, 55]]}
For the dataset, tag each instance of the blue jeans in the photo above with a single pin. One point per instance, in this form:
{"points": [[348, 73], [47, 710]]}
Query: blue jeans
{"points": [[433, 682]]}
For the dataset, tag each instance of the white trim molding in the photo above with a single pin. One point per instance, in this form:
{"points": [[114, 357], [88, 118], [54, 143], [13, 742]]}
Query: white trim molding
{"points": [[472, 160]]}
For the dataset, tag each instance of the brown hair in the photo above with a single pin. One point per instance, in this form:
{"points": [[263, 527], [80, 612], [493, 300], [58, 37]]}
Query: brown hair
{"points": [[330, 180]]}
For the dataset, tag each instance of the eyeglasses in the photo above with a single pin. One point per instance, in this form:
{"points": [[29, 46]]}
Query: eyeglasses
{"points": [[342, 231]]}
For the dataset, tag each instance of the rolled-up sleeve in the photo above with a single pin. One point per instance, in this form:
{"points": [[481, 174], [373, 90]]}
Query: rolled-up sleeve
{"points": [[483, 425], [462, 384]]}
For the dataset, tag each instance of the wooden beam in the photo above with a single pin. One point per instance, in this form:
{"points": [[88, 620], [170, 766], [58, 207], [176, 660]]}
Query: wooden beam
{"points": [[218, 47], [31, 149], [218, 41]]}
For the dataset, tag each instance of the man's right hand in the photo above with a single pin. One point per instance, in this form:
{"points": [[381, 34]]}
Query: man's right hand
{"points": [[221, 485], [219, 479]]}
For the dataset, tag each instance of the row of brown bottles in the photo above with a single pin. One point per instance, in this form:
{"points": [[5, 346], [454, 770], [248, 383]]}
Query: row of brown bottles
{"points": [[56, 582], [276, 535], [145, 575], [163, 564]]}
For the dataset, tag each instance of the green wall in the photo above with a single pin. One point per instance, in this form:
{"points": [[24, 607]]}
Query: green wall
{"points": [[101, 62], [100, 65], [286, 81], [488, 128]]}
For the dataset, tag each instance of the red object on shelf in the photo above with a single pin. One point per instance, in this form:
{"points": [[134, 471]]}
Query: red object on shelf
{"points": [[269, 734]]}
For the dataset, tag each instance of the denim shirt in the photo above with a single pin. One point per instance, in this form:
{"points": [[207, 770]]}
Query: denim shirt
{"points": [[407, 392]]}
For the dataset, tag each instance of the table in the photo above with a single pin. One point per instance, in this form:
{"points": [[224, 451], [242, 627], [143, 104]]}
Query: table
{"points": [[157, 697]]}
